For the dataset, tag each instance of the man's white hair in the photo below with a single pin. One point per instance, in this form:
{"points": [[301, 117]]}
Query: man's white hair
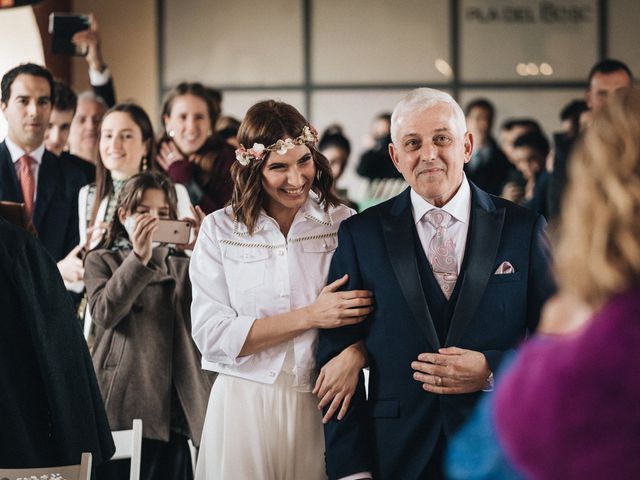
{"points": [[91, 96], [421, 99]]}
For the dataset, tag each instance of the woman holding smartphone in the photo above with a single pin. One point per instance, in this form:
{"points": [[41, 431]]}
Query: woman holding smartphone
{"points": [[259, 297], [145, 360]]}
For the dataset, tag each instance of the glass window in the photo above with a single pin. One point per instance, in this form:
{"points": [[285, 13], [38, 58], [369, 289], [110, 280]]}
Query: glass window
{"points": [[503, 40], [378, 41], [624, 18], [233, 42], [237, 103]]}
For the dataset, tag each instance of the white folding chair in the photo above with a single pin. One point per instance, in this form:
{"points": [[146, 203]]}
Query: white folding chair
{"points": [[86, 327], [194, 455], [82, 471], [129, 445]]}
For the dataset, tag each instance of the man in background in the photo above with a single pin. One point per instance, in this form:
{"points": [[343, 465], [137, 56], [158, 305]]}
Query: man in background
{"points": [[56, 136], [488, 167], [92, 104], [29, 174], [605, 77], [375, 163]]}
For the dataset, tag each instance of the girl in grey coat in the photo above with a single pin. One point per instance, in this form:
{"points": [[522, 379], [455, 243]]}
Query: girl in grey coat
{"points": [[145, 360]]}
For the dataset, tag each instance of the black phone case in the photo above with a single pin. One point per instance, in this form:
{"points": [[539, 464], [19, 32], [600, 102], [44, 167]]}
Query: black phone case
{"points": [[63, 28]]}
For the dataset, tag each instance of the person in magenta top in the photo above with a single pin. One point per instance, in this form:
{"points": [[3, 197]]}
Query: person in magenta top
{"points": [[567, 407]]}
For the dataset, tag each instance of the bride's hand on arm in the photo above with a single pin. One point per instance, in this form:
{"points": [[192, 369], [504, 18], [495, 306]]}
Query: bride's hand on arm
{"points": [[333, 309], [338, 379]]}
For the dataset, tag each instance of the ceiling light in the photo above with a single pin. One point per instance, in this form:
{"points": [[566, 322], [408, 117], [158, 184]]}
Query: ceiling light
{"points": [[444, 68], [546, 69], [532, 69], [521, 69]]}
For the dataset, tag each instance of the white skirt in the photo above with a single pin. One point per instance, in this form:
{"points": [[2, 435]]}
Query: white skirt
{"points": [[258, 431]]}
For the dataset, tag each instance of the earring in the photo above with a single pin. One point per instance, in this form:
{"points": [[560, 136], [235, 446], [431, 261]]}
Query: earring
{"points": [[144, 165], [171, 133]]}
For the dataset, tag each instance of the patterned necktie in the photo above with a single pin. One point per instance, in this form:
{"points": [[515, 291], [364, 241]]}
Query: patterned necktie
{"points": [[441, 252], [27, 183]]}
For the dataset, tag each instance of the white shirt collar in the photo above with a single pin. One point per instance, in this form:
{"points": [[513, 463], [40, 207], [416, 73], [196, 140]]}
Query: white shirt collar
{"points": [[16, 152], [459, 207], [311, 210]]}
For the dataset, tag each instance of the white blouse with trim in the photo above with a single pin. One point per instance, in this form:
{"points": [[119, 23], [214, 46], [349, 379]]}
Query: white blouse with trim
{"points": [[237, 278]]}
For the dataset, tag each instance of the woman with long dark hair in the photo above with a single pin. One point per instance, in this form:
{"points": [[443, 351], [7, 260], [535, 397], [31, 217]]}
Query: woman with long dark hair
{"points": [[190, 151], [126, 147], [259, 297]]}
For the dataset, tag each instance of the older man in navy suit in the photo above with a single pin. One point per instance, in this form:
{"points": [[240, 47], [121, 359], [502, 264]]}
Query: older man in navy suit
{"points": [[459, 277], [29, 174]]}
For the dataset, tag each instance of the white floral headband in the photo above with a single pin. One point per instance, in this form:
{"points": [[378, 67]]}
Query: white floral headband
{"points": [[258, 150]]}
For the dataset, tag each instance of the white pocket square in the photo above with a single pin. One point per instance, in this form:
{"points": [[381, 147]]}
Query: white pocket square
{"points": [[505, 268]]}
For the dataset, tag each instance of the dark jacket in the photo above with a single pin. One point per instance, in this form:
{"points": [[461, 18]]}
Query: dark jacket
{"points": [[489, 168], [395, 431], [87, 168], [55, 214], [51, 406], [106, 92]]}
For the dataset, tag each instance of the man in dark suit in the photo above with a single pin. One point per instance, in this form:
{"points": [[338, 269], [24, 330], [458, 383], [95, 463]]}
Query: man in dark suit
{"points": [[458, 276], [30, 174]]}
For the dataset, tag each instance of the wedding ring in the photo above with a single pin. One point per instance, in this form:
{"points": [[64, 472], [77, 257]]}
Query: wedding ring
{"points": [[439, 381], [170, 156]]}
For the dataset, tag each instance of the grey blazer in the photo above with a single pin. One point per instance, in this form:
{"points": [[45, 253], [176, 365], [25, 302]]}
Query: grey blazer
{"points": [[143, 340]]}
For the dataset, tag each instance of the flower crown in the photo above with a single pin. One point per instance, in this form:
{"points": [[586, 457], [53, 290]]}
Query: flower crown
{"points": [[258, 150]]}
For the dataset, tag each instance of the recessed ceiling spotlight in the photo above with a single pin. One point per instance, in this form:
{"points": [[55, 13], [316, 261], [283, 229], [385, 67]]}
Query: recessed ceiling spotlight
{"points": [[521, 69], [532, 69]]}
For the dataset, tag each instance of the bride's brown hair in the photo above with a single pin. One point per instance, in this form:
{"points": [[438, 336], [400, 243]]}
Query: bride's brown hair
{"points": [[266, 123]]}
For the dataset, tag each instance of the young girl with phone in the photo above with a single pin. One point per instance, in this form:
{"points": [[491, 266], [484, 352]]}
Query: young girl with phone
{"points": [[145, 360]]}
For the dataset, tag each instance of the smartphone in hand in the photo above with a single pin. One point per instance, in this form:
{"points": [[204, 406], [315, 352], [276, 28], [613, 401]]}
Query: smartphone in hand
{"points": [[172, 231], [62, 27]]}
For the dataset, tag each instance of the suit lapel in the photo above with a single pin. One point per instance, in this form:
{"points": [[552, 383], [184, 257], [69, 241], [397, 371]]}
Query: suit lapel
{"points": [[397, 227], [47, 183], [9, 187], [485, 230]]}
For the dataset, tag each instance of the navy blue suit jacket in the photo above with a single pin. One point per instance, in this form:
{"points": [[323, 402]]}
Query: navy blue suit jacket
{"points": [[55, 214], [394, 432]]}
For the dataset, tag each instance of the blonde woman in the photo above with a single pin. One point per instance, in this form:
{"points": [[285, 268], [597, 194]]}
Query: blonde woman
{"points": [[568, 406]]}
